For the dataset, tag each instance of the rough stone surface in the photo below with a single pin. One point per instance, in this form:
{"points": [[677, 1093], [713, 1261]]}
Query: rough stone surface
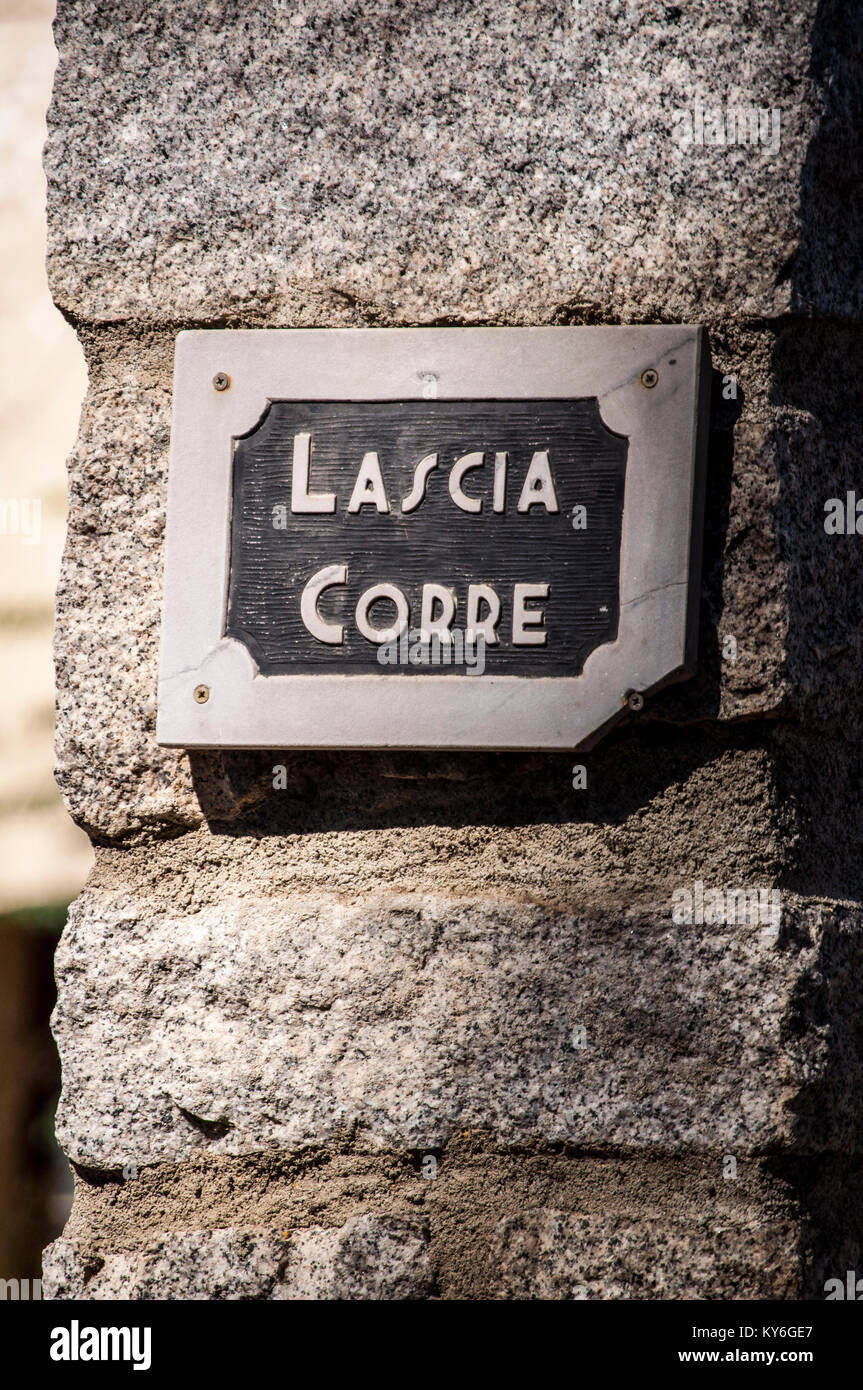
{"points": [[541, 1254], [276, 1005], [470, 1192], [427, 160], [368, 1258], [554, 1255], [257, 1024]]}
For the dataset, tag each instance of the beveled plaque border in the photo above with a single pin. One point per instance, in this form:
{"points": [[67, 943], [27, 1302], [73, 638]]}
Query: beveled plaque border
{"points": [[660, 545]]}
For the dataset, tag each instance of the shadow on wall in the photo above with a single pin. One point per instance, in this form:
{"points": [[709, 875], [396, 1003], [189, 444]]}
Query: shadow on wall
{"points": [[817, 370]]}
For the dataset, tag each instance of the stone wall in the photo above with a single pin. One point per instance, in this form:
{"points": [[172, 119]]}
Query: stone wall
{"points": [[44, 859], [424, 1025]]}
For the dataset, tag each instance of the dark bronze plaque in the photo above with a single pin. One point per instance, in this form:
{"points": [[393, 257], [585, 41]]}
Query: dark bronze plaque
{"points": [[516, 503], [429, 537]]}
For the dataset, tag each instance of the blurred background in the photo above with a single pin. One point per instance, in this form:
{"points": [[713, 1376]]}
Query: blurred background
{"points": [[44, 858]]}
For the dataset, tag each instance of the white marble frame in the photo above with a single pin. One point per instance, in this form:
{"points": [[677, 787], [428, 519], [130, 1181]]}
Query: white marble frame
{"points": [[660, 546]]}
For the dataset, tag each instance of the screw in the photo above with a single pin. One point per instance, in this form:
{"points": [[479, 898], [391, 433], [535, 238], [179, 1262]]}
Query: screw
{"points": [[221, 381], [649, 378], [635, 700], [202, 694]]}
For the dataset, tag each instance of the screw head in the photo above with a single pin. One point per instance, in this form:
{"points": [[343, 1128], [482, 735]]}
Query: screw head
{"points": [[202, 694], [221, 381], [635, 700], [649, 378]]}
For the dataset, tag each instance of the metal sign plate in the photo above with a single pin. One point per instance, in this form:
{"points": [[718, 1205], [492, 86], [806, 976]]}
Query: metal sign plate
{"points": [[428, 538]]}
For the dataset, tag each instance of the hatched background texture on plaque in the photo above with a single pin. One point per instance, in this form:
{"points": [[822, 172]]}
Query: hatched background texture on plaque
{"points": [[438, 542]]}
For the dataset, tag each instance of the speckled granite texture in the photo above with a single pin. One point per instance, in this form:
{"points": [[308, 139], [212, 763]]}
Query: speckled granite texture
{"points": [[367, 1258], [626, 1031], [434, 160], [343, 1020]]}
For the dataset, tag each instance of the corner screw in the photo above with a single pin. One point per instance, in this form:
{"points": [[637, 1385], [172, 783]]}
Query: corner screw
{"points": [[635, 700], [221, 381], [649, 378], [202, 694]]}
